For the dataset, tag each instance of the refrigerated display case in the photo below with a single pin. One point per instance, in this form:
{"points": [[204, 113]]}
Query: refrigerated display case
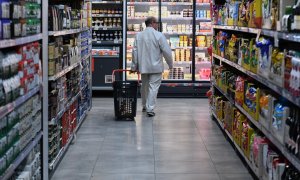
{"points": [[187, 27], [107, 41]]}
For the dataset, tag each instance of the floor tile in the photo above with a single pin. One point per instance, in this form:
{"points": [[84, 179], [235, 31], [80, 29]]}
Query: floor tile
{"points": [[235, 177], [193, 155], [124, 167], [72, 174], [185, 167], [187, 177], [123, 177], [179, 146]]}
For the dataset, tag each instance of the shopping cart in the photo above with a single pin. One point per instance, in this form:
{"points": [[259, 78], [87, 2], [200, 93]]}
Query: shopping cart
{"points": [[125, 97]]}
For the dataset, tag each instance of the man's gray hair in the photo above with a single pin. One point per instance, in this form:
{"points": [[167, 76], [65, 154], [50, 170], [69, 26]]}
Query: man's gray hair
{"points": [[150, 20]]}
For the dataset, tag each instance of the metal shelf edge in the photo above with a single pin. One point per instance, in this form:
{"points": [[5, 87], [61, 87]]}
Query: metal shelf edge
{"points": [[19, 41], [63, 72], [66, 32], [4, 110]]}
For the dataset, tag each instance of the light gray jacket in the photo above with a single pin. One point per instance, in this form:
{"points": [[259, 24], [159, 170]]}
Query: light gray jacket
{"points": [[149, 47]]}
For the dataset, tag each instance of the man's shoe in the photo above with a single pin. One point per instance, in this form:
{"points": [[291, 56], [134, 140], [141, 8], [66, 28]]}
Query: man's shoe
{"points": [[150, 114], [144, 109]]}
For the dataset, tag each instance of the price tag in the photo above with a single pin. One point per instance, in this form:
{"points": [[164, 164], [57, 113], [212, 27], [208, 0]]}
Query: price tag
{"points": [[96, 28], [109, 15], [258, 34], [179, 62], [116, 41], [105, 28], [98, 42], [118, 2]]}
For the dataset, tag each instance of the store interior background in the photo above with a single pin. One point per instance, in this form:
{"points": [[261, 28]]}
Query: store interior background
{"points": [[240, 56]]}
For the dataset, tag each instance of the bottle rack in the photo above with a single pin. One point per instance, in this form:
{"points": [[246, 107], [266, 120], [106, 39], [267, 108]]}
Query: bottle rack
{"points": [[256, 90]]}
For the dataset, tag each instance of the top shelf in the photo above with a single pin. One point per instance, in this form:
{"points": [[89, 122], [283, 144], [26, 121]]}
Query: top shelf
{"points": [[67, 32], [295, 37], [19, 41], [163, 3], [107, 2]]}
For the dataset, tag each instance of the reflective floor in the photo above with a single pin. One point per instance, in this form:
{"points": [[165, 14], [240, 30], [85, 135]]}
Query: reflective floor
{"points": [[180, 143]]}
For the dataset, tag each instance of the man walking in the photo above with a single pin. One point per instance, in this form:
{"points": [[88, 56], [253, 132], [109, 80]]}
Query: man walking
{"points": [[149, 47]]}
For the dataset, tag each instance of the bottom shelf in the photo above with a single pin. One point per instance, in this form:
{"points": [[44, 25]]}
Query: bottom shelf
{"points": [[235, 145], [11, 169], [63, 150]]}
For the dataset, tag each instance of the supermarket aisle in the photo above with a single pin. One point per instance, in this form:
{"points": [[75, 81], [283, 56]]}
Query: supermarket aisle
{"points": [[180, 142]]}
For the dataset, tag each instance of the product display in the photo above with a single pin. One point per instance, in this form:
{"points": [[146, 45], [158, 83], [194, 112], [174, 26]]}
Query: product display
{"points": [[108, 40], [255, 76], [178, 27]]}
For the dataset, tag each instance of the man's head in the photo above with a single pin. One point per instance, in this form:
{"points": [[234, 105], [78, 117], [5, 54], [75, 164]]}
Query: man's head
{"points": [[151, 22]]}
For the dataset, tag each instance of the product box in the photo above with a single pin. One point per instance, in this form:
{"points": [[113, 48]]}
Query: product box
{"points": [[247, 132], [266, 103], [244, 53], [239, 90], [256, 154], [237, 128], [255, 16], [280, 114], [251, 100], [253, 56], [277, 67], [264, 57]]}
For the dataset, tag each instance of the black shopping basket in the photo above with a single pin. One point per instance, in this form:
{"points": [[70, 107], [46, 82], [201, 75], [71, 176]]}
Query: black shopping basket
{"points": [[125, 97]]}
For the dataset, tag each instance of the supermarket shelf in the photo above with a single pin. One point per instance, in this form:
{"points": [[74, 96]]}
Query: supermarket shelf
{"points": [[202, 4], [295, 37], [234, 143], [100, 88], [106, 15], [188, 47], [177, 33], [4, 110], [24, 153], [63, 150], [107, 28], [204, 34], [177, 18], [63, 72], [66, 32], [110, 57], [87, 56], [107, 2], [163, 18], [19, 41], [99, 43], [132, 32], [224, 93], [177, 3], [294, 160], [203, 19], [201, 48], [163, 3], [143, 3], [280, 90], [61, 113]]}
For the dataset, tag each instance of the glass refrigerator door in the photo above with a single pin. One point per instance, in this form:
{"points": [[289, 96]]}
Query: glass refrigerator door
{"points": [[177, 26], [137, 12], [203, 40]]}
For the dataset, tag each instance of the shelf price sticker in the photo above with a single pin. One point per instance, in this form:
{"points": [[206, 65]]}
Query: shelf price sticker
{"points": [[116, 41], [105, 28], [258, 34], [98, 42]]}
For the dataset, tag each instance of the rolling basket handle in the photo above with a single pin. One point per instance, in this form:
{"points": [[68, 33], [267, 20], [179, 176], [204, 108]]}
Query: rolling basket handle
{"points": [[125, 70]]}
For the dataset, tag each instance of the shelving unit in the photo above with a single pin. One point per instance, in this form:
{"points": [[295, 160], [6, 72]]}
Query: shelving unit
{"points": [[20, 41], [108, 41], [235, 89]]}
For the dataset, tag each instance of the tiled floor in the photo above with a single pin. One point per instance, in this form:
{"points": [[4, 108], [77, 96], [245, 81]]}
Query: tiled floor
{"points": [[180, 143]]}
